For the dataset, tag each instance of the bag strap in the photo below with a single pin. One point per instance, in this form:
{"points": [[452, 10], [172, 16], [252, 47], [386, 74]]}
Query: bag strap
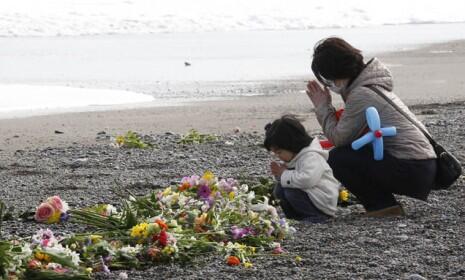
{"points": [[380, 93]]}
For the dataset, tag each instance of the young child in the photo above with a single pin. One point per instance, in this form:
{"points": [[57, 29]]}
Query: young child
{"points": [[306, 187]]}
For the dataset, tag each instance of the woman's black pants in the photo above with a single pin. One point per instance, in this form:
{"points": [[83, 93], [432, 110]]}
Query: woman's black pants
{"points": [[374, 182]]}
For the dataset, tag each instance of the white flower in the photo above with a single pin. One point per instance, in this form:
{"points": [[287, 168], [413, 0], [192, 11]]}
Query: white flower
{"points": [[182, 200], [131, 250], [244, 188], [205, 207], [110, 210], [251, 196], [64, 251], [123, 275], [262, 207], [65, 206], [53, 266]]}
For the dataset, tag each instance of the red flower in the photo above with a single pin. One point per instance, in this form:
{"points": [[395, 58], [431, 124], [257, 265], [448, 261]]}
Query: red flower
{"points": [[162, 238], [233, 261]]}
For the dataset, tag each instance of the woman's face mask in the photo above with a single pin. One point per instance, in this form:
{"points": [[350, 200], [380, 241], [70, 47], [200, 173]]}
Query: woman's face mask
{"points": [[337, 88]]}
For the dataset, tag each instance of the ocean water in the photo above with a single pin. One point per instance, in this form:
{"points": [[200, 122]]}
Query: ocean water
{"points": [[141, 46], [91, 17]]}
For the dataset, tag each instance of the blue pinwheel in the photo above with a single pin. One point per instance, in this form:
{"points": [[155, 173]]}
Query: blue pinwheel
{"points": [[375, 135]]}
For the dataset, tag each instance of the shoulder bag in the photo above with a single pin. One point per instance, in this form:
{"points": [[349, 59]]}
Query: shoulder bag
{"points": [[449, 168]]}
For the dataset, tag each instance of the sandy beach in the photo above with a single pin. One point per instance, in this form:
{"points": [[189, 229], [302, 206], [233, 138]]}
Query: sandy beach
{"points": [[429, 74], [71, 155]]}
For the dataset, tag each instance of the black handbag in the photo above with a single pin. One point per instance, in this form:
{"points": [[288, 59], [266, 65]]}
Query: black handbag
{"points": [[449, 168]]}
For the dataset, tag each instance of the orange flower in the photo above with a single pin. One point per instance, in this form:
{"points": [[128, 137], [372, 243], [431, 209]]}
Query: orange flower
{"points": [[161, 224], [199, 223], [233, 261], [184, 186]]}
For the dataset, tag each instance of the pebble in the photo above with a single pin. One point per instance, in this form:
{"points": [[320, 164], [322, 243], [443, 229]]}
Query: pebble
{"points": [[331, 251], [416, 277], [403, 237]]}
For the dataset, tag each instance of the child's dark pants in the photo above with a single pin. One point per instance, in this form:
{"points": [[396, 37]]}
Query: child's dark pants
{"points": [[374, 182], [297, 205]]}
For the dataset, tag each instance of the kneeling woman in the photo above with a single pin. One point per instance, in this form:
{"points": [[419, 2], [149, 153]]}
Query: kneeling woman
{"points": [[409, 164]]}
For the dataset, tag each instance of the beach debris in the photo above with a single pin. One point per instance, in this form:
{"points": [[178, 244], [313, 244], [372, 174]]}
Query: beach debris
{"points": [[187, 63], [59, 132], [131, 140], [195, 137], [237, 130]]}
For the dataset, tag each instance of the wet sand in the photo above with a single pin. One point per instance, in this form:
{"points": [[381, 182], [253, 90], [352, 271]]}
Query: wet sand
{"points": [[430, 74]]}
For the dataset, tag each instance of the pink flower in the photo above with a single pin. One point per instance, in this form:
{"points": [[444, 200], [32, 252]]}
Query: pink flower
{"points": [[44, 212], [278, 250], [57, 203], [34, 264]]}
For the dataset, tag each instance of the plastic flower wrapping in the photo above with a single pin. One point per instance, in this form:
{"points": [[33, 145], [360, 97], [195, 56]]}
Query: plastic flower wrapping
{"points": [[201, 214]]}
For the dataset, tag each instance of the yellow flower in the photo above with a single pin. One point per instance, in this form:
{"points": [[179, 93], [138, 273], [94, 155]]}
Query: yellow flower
{"points": [[168, 250], [120, 140], [344, 195], [140, 230], [95, 238], [298, 259], [40, 256], [89, 270], [167, 191], [231, 195], [248, 264], [208, 175], [54, 218]]}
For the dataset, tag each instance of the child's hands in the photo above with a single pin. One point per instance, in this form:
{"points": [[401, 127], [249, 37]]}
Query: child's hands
{"points": [[277, 168]]}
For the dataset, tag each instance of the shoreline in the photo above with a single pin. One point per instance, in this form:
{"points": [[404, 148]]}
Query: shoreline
{"points": [[428, 75]]}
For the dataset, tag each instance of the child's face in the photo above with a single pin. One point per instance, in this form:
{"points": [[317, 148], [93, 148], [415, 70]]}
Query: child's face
{"points": [[283, 155]]}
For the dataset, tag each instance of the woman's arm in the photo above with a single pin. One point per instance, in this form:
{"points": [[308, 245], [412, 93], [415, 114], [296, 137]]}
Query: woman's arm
{"points": [[351, 124]]}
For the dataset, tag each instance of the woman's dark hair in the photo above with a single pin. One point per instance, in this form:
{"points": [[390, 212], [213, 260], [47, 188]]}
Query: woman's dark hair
{"points": [[286, 133], [334, 58]]}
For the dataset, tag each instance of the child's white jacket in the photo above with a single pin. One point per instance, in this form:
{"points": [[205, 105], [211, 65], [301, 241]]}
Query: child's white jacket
{"points": [[309, 172]]}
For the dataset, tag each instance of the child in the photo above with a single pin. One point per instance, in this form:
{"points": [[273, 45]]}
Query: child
{"points": [[306, 187]]}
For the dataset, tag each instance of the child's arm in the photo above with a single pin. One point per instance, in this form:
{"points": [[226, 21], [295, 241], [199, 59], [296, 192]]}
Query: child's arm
{"points": [[307, 174]]}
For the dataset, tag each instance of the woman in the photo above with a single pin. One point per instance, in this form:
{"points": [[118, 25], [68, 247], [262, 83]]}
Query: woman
{"points": [[409, 165]]}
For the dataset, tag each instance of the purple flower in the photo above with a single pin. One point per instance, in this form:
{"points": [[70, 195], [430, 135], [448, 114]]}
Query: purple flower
{"points": [[204, 192], [227, 185], [64, 217], [238, 233], [105, 268]]}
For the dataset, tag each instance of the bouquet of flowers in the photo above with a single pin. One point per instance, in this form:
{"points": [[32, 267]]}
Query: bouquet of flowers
{"points": [[51, 211], [44, 257], [199, 215]]}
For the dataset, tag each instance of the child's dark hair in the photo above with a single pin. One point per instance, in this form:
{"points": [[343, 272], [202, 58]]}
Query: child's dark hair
{"points": [[286, 133], [334, 58]]}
